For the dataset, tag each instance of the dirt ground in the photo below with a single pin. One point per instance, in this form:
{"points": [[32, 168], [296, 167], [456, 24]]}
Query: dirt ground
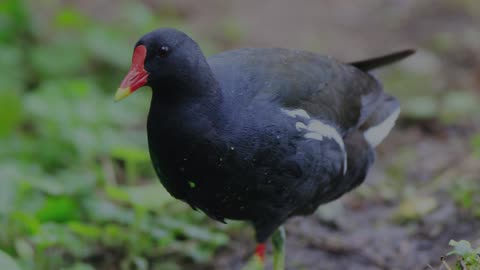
{"points": [[368, 228]]}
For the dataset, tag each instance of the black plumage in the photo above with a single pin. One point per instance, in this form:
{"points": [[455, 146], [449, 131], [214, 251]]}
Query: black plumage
{"points": [[260, 134]]}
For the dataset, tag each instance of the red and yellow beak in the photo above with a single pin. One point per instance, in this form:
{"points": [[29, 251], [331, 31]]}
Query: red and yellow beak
{"points": [[136, 76]]}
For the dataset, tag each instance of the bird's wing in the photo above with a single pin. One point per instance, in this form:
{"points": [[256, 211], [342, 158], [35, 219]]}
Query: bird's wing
{"points": [[343, 94]]}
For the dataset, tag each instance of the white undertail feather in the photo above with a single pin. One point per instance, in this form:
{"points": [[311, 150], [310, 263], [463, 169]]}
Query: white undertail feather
{"points": [[317, 130], [376, 134]]}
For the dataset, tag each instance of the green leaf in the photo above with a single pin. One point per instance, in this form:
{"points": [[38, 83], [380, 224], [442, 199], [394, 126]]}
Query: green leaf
{"points": [[139, 16], [151, 196], [7, 262], [12, 73], [29, 224], [422, 107], [59, 236], [102, 211], [130, 154], [232, 31], [117, 194], [65, 182], [458, 104], [10, 112], [79, 266], [59, 209], [85, 230], [461, 248], [14, 19], [114, 235], [475, 141], [73, 126], [60, 58], [464, 192], [9, 173], [109, 47], [71, 19], [167, 265], [413, 208], [47, 185]]}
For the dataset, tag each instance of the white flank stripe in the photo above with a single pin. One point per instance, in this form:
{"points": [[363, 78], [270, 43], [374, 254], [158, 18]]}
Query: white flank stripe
{"points": [[317, 130], [376, 134], [299, 126], [297, 112]]}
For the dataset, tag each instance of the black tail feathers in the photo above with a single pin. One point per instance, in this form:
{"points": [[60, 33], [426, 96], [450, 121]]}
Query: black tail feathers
{"points": [[373, 63]]}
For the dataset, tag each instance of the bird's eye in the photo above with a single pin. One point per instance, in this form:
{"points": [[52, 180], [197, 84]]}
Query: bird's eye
{"points": [[163, 51]]}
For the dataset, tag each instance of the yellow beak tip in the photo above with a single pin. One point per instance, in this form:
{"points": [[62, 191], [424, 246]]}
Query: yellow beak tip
{"points": [[122, 93]]}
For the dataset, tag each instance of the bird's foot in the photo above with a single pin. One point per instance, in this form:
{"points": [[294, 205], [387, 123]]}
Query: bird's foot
{"points": [[260, 251], [257, 262]]}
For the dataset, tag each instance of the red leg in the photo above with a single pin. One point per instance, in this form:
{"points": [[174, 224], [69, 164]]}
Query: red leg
{"points": [[260, 251]]}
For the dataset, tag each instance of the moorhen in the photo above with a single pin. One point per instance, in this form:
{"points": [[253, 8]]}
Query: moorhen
{"points": [[258, 134]]}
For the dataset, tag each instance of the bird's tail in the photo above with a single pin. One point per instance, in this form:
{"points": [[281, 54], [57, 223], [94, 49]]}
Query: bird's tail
{"points": [[381, 121], [373, 63]]}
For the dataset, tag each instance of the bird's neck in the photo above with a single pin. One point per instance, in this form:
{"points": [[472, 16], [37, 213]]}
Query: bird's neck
{"points": [[187, 107], [194, 83], [201, 94]]}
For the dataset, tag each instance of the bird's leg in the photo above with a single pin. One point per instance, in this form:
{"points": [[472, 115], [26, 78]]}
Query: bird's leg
{"points": [[278, 241], [258, 260]]}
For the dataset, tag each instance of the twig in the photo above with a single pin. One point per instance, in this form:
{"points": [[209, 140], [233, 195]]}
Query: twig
{"points": [[445, 263]]}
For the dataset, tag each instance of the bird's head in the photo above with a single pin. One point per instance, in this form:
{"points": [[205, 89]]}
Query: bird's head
{"points": [[163, 56]]}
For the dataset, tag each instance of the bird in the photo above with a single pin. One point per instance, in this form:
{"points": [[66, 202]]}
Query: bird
{"points": [[259, 134]]}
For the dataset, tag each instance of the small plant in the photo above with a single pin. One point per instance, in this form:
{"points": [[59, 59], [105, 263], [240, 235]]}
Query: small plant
{"points": [[468, 258], [465, 194]]}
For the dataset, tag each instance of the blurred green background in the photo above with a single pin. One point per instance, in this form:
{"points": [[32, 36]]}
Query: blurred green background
{"points": [[76, 187]]}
